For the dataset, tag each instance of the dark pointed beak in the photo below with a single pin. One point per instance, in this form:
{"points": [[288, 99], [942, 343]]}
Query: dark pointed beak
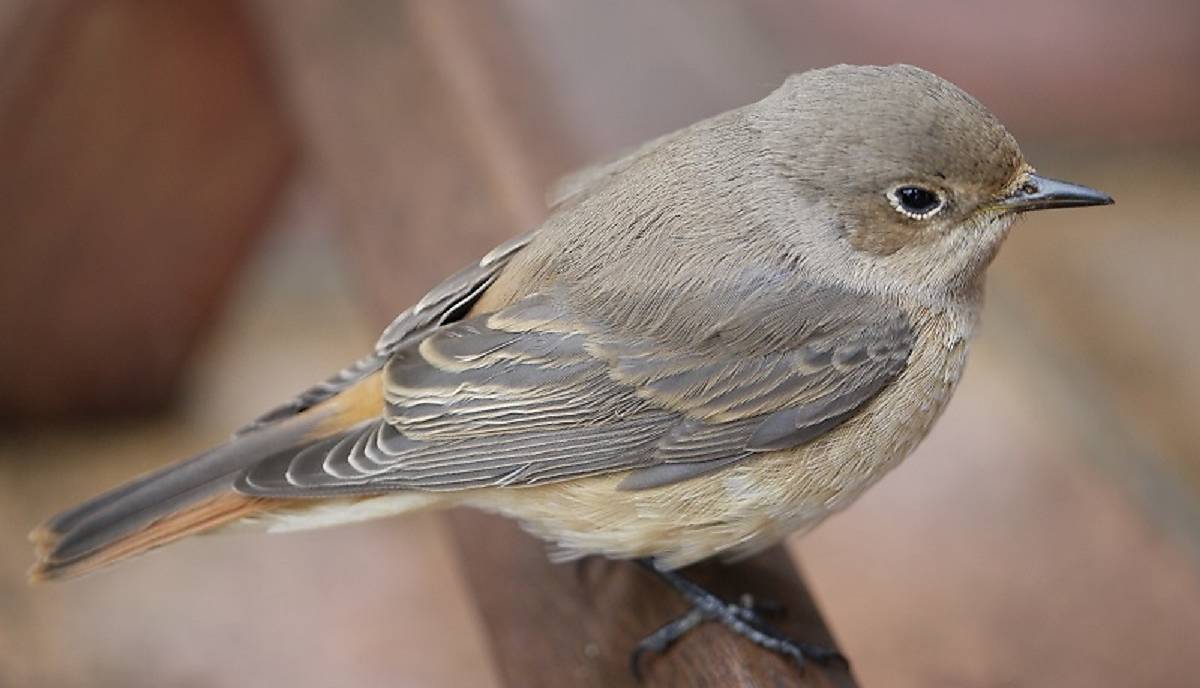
{"points": [[1040, 193]]}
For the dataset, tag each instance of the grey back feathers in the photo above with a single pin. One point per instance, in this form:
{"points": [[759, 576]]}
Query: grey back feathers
{"points": [[537, 393]]}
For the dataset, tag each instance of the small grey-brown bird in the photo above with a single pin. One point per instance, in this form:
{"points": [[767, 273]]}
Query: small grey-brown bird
{"points": [[713, 342]]}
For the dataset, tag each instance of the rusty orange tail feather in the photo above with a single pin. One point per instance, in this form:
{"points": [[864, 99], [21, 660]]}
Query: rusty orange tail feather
{"points": [[202, 516], [190, 496]]}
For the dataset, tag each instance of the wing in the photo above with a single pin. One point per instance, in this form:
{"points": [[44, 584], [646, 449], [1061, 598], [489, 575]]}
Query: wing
{"points": [[535, 393], [448, 301]]}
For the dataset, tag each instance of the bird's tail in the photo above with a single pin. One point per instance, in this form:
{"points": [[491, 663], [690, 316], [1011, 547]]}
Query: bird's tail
{"points": [[188, 497]]}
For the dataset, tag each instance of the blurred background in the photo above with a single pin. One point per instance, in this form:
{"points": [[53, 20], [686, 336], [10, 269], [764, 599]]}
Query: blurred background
{"points": [[207, 204]]}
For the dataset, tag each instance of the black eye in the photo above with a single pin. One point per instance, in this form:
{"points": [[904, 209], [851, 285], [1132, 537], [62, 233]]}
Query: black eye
{"points": [[915, 201]]}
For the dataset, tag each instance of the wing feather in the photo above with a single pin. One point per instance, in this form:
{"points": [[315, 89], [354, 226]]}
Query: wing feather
{"points": [[535, 394], [446, 302]]}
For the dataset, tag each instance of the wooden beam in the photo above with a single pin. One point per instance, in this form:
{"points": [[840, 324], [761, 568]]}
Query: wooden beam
{"points": [[432, 126], [555, 624], [142, 153]]}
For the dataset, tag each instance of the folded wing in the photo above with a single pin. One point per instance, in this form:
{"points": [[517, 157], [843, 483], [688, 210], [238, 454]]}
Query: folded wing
{"points": [[537, 393]]}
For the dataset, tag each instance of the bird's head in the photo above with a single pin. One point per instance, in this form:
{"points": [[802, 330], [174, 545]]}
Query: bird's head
{"points": [[913, 178]]}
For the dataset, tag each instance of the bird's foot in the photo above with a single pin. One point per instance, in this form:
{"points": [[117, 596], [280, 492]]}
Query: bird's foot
{"points": [[744, 618]]}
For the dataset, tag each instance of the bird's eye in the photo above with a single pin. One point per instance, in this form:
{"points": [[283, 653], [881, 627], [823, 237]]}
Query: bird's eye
{"points": [[915, 202]]}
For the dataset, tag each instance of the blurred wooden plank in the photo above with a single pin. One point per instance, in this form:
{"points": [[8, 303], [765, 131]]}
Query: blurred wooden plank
{"points": [[1035, 66], [142, 152], [1107, 295], [1038, 67], [428, 121]]}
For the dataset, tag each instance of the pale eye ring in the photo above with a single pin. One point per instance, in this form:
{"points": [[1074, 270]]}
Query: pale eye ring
{"points": [[915, 202]]}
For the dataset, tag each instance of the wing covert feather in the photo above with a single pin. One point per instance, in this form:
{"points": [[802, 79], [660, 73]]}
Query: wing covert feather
{"points": [[536, 393], [447, 301]]}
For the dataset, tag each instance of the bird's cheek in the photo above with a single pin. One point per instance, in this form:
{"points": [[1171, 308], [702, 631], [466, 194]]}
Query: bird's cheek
{"points": [[882, 236]]}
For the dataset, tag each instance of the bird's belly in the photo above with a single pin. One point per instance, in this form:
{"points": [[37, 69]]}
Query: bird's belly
{"points": [[750, 505]]}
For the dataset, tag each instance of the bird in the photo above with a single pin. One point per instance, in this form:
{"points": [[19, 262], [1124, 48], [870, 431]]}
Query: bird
{"points": [[712, 342]]}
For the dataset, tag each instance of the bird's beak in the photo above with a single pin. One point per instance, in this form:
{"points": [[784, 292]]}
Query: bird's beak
{"points": [[1040, 193]]}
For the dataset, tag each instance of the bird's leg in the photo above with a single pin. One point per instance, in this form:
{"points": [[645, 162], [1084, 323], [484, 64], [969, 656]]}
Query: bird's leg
{"points": [[662, 639], [744, 619]]}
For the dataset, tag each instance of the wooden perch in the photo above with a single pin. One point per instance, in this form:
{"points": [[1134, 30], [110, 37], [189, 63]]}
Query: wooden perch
{"points": [[428, 124], [562, 625]]}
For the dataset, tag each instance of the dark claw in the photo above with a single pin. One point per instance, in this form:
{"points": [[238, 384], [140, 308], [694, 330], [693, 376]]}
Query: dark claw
{"points": [[662, 639], [745, 619], [826, 656], [767, 609]]}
